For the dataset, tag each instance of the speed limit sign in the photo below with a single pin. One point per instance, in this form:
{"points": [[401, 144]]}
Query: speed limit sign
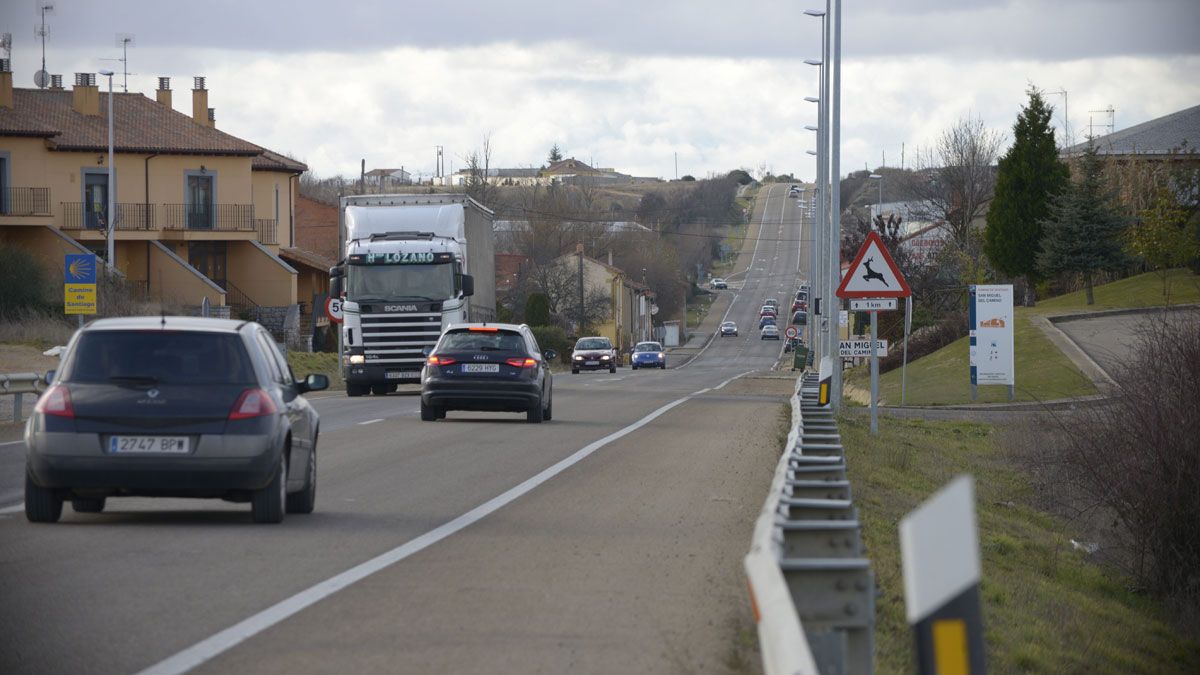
{"points": [[790, 332], [333, 308]]}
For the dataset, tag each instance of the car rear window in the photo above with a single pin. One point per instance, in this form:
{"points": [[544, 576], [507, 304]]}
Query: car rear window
{"points": [[478, 341], [594, 343], [163, 356], [648, 347]]}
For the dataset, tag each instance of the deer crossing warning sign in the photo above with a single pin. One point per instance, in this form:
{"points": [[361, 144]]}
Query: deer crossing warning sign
{"points": [[873, 274]]}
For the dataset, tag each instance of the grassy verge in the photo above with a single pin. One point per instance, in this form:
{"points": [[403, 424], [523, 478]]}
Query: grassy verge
{"points": [[1046, 609], [698, 309], [326, 363], [1043, 372]]}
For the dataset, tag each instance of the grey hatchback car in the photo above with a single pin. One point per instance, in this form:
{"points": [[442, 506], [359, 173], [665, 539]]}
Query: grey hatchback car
{"points": [[173, 407]]}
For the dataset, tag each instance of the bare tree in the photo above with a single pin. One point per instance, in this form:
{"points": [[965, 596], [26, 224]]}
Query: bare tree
{"points": [[478, 187], [954, 181]]}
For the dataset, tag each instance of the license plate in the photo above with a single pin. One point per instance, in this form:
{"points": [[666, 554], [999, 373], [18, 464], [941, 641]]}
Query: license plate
{"points": [[591, 363], [481, 367], [401, 375], [173, 445]]}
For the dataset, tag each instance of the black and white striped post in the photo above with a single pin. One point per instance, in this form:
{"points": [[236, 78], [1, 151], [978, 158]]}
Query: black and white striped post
{"points": [[939, 548]]}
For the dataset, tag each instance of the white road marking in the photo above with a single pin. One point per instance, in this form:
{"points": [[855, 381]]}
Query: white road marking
{"points": [[380, 419], [11, 509], [10, 443], [225, 640]]}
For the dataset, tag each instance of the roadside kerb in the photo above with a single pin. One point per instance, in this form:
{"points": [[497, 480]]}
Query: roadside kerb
{"points": [[822, 617], [17, 385]]}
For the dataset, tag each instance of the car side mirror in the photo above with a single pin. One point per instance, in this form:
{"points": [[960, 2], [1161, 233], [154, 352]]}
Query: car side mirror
{"points": [[49, 377], [550, 354], [426, 351], [314, 382]]}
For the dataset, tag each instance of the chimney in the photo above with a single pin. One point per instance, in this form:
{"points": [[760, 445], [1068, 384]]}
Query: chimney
{"points": [[212, 117], [85, 97], [200, 102], [56, 83], [163, 93], [6, 92]]}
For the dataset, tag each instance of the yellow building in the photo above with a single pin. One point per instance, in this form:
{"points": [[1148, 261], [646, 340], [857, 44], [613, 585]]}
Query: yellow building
{"points": [[198, 213], [629, 319]]}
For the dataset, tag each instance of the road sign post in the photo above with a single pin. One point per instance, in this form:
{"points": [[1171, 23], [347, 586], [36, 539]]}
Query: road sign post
{"points": [[874, 375]]}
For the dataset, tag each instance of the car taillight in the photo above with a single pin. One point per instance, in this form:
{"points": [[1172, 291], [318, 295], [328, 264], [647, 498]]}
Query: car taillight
{"points": [[435, 360], [253, 403], [522, 363], [56, 401]]}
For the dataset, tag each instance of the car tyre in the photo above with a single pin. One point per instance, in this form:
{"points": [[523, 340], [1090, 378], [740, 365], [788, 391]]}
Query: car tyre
{"points": [[662, 366], [612, 369], [548, 413], [633, 367], [268, 504], [536, 413], [42, 505], [88, 504], [430, 413], [305, 500], [574, 371]]}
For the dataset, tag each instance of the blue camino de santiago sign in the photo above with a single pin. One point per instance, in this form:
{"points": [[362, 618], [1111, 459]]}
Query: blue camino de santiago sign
{"points": [[79, 284]]}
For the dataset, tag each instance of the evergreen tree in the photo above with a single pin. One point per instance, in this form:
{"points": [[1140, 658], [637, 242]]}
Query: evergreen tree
{"points": [[537, 310], [1029, 176], [1083, 231], [555, 154]]}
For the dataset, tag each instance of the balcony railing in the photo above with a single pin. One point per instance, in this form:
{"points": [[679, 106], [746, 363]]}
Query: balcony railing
{"points": [[211, 217], [130, 217], [267, 228], [15, 201]]}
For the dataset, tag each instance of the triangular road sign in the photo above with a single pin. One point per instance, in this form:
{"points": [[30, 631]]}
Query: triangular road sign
{"points": [[873, 274]]}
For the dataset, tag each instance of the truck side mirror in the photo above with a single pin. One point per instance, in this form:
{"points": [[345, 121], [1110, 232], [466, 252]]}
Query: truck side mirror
{"points": [[468, 285], [336, 277]]}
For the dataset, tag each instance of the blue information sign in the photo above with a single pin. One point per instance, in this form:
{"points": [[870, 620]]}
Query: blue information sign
{"points": [[79, 268]]}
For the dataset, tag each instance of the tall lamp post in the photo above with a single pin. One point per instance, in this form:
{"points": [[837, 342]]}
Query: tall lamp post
{"points": [[111, 206]]}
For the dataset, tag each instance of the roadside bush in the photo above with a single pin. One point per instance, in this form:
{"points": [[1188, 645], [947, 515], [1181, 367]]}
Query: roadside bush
{"points": [[924, 341], [24, 286], [1138, 458], [553, 337], [537, 309]]}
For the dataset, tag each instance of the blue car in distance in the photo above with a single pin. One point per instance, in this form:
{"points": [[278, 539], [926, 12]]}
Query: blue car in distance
{"points": [[648, 355]]}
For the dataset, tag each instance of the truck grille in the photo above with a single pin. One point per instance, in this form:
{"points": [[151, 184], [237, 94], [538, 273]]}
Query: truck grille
{"points": [[399, 338]]}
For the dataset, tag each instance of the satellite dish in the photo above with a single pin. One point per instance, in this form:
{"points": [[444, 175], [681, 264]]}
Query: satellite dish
{"points": [[41, 78]]}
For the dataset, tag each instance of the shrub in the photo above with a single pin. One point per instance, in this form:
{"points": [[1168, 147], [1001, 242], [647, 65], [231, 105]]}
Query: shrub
{"points": [[553, 337], [924, 342], [24, 286], [537, 309]]}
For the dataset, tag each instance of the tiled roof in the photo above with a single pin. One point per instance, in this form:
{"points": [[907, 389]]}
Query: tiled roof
{"points": [[569, 165], [273, 161], [309, 258], [1179, 130], [139, 125]]}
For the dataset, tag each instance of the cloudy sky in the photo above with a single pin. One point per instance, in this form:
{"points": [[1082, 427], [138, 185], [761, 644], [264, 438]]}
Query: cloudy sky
{"points": [[623, 84]]}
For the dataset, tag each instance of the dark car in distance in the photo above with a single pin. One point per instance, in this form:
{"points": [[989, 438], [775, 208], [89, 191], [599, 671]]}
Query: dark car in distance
{"points": [[593, 353], [487, 366], [173, 407]]}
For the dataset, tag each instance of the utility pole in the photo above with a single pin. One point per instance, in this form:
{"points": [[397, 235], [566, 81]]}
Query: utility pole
{"points": [[579, 250], [362, 178]]}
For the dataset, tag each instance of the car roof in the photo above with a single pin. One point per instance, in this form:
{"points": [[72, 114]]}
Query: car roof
{"points": [[192, 323], [593, 337]]}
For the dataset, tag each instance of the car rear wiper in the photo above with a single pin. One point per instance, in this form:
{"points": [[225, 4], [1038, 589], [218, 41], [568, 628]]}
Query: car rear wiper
{"points": [[134, 379]]}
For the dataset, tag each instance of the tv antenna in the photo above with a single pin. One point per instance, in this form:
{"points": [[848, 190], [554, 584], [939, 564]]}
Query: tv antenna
{"points": [[1112, 120], [124, 41], [42, 78]]}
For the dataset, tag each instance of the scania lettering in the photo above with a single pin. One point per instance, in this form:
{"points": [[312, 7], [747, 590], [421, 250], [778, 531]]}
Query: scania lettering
{"points": [[413, 264]]}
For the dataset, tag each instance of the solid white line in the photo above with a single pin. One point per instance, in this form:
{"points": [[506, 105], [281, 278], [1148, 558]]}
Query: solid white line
{"points": [[371, 421], [11, 443], [11, 509], [225, 640]]}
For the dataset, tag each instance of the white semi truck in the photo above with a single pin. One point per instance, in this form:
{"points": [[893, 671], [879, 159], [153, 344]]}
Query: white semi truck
{"points": [[413, 265]]}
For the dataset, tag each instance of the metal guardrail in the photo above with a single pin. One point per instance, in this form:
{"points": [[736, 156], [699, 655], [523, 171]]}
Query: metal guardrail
{"points": [[812, 589], [19, 384]]}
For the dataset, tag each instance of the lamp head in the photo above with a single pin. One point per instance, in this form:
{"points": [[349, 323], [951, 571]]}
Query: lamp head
{"points": [[106, 73]]}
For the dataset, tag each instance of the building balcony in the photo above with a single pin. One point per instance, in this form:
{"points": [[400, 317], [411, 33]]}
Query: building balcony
{"points": [[171, 221], [130, 217], [20, 206], [209, 217], [267, 230]]}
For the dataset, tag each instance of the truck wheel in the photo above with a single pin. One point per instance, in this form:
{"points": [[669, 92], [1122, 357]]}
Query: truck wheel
{"points": [[356, 389], [42, 505], [380, 389], [88, 504], [267, 505], [535, 413], [574, 371]]}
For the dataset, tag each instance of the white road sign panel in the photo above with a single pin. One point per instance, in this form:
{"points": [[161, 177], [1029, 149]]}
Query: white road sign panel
{"points": [[991, 323], [872, 304], [939, 548], [861, 348]]}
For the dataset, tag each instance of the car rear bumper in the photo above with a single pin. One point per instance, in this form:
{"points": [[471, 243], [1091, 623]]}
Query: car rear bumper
{"points": [[475, 395]]}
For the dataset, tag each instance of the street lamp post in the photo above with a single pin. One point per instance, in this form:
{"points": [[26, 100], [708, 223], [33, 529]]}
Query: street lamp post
{"points": [[111, 206], [878, 204], [821, 231]]}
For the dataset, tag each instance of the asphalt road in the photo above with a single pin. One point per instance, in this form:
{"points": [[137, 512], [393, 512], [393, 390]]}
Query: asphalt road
{"points": [[1110, 340], [607, 540]]}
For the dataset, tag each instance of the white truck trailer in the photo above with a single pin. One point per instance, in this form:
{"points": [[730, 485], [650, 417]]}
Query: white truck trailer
{"points": [[413, 265]]}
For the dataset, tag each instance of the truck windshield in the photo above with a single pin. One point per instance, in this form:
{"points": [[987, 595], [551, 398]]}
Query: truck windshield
{"points": [[400, 282]]}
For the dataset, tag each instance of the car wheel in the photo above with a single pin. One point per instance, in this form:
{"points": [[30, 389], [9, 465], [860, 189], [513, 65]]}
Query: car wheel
{"points": [[574, 371], [88, 504], [268, 504], [441, 413], [535, 414], [633, 367], [42, 505], [429, 413], [356, 389], [612, 369], [548, 413], [305, 500], [662, 366]]}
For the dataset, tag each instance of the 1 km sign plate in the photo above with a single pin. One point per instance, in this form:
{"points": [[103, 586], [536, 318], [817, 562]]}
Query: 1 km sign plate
{"points": [[872, 304]]}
